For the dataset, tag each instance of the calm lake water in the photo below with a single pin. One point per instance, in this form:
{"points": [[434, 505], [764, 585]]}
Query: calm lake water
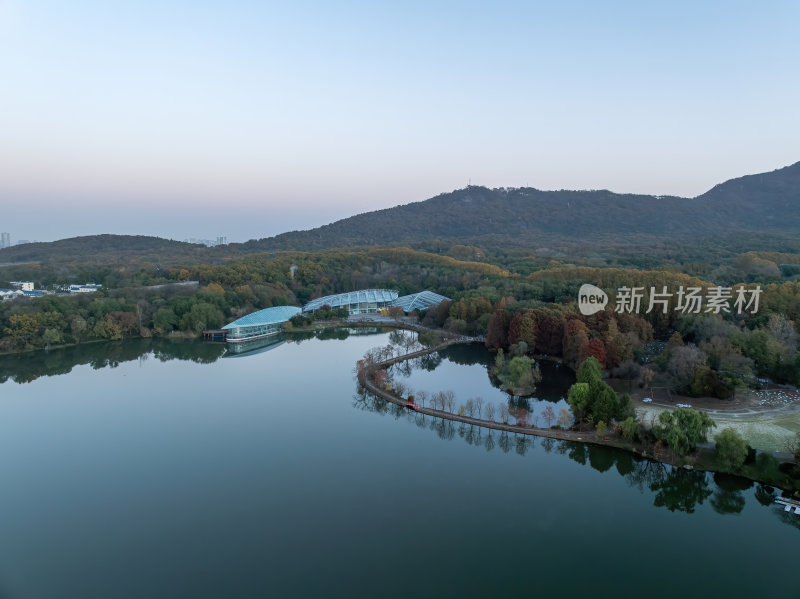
{"points": [[166, 469], [463, 369]]}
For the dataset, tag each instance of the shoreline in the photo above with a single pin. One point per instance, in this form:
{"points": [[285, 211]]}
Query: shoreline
{"points": [[173, 335], [365, 374]]}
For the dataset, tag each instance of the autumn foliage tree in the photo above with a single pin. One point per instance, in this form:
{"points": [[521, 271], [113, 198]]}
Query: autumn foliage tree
{"points": [[576, 340], [523, 328], [497, 333], [596, 349]]}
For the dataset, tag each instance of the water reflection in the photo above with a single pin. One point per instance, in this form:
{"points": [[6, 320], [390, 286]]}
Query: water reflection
{"points": [[332, 333], [256, 346], [27, 367], [672, 488], [556, 378], [465, 370]]}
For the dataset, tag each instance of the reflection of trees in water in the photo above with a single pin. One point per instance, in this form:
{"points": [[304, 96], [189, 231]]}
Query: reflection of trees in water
{"points": [[641, 474], [407, 340], [299, 336], [403, 368], [366, 401], [576, 452], [429, 362], [523, 444], [728, 498], [727, 502], [471, 434], [602, 458], [519, 403], [504, 442], [333, 333], [24, 368], [445, 429], [765, 495], [673, 488], [520, 409], [467, 354], [681, 490]]}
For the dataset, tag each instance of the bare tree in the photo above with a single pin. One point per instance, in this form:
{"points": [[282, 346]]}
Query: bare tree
{"points": [[792, 445], [450, 400], [683, 363], [490, 411], [504, 413], [470, 407], [421, 398], [549, 415], [479, 406]]}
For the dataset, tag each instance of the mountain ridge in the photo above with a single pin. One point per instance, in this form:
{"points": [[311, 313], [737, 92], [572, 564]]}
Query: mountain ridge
{"points": [[762, 202], [475, 211]]}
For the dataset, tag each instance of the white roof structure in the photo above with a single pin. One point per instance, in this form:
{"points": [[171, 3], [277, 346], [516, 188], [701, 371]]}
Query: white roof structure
{"points": [[267, 316], [345, 300], [419, 301]]}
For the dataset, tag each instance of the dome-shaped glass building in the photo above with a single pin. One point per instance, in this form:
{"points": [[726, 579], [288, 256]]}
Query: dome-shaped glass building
{"points": [[366, 301], [260, 324], [419, 301]]}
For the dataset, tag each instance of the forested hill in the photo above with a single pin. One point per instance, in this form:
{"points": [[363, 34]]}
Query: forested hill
{"points": [[99, 248], [766, 199], [520, 217], [765, 202]]}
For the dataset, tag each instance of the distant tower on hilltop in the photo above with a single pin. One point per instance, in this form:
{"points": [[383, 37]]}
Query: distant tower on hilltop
{"points": [[222, 240], [5, 240]]}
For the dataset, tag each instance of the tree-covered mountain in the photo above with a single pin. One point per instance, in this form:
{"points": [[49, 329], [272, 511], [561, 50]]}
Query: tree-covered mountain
{"points": [[764, 202], [742, 208], [98, 248]]}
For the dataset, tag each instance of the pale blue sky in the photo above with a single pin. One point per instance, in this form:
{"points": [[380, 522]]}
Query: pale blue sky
{"points": [[200, 118]]}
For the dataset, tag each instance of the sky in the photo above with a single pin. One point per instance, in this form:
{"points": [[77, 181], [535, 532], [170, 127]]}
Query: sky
{"points": [[246, 119]]}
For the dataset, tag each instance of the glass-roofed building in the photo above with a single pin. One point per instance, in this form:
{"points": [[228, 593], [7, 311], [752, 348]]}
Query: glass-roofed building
{"points": [[419, 301], [260, 324], [366, 301]]}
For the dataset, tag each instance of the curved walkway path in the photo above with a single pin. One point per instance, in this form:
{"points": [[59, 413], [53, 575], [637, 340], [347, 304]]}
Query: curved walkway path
{"points": [[366, 374]]}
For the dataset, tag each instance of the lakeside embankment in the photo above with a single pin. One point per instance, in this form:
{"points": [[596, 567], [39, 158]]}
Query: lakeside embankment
{"points": [[702, 459]]}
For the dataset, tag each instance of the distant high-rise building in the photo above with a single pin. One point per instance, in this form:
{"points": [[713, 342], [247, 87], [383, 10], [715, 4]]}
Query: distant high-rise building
{"points": [[220, 240], [5, 240]]}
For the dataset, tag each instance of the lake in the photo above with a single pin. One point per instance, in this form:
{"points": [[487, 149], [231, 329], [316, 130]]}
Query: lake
{"points": [[158, 468]]}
